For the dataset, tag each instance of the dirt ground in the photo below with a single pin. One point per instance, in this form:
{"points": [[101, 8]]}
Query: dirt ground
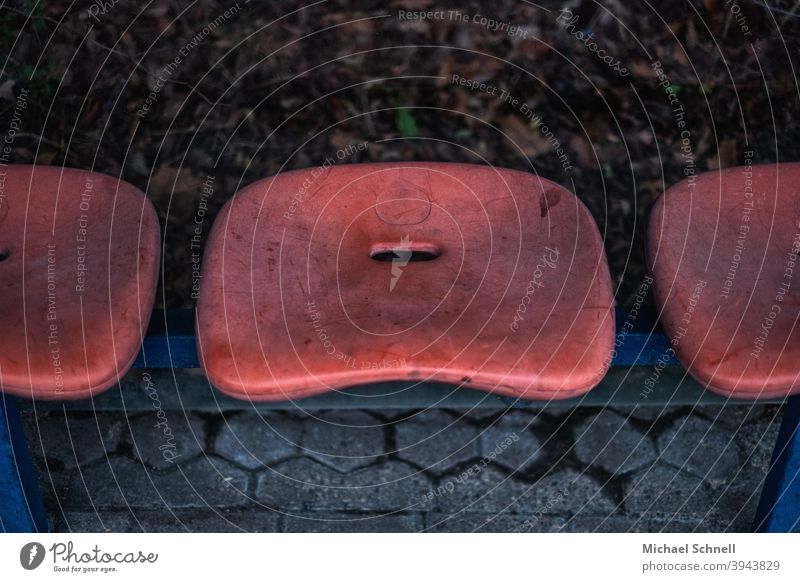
{"points": [[616, 100]]}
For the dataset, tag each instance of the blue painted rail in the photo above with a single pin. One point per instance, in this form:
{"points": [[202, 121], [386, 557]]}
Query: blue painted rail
{"points": [[779, 508], [21, 507]]}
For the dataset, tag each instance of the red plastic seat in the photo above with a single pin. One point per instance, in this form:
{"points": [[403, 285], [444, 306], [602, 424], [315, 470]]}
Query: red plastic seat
{"points": [[723, 253], [79, 270], [328, 277]]}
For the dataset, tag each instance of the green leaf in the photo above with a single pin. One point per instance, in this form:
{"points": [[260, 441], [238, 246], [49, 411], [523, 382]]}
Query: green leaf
{"points": [[405, 123]]}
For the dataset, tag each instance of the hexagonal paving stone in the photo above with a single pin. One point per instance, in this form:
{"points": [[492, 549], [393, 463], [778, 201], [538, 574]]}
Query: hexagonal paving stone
{"points": [[646, 412], [119, 482], [735, 414], [488, 522], [701, 448], [95, 522], [608, 441], [655, 498], [736, 505], [526, 418], [84, 438], [53, 485], [646, 523], [598, 523], [514, 447], [198, 519], [344, 440], [574, 492], [305, 484], [208, 519], [122, 482], [255, 440], [757, 441], [206, 481], [355, 522], [435, 440], [668, 491], [162, 439], [487, 489]]}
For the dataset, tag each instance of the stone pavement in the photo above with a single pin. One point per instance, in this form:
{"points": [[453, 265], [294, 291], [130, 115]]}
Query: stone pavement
{"points": [[587, 469]]}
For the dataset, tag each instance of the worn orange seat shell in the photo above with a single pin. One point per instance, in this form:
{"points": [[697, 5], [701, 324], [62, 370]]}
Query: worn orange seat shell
{"points": [[514, 295], [723, 253], [79, 271]]}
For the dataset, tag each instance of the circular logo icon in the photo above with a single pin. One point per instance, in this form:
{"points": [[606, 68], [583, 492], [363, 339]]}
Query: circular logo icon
{"points": [[31, 555]]}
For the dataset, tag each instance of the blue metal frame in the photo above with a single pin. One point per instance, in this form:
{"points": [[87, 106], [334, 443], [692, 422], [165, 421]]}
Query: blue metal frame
{"points": [[779, 508], [170, 341], [21, 507]]}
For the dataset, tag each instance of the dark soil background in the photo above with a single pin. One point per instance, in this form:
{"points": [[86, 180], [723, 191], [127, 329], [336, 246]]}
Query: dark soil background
{"points": [[282, 85]]}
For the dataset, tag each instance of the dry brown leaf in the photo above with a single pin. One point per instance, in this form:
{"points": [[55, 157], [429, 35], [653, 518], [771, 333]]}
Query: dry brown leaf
{"points": [[583, 151], [643, 70], [171, 181], [523, 136], [341, 140], [726, 155]]}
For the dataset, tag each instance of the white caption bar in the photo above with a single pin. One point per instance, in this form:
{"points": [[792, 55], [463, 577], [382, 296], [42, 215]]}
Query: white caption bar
{"points": [[401, 557]]}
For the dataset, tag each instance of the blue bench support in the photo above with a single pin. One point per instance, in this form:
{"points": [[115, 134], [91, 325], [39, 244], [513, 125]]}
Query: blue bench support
{"points": [[779, 507], [170, 341], [21, 507]]}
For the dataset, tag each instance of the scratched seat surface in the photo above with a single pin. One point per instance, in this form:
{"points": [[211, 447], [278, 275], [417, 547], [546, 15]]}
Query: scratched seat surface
{"points": [[723, 252], [78, 271], [324, 278]]}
